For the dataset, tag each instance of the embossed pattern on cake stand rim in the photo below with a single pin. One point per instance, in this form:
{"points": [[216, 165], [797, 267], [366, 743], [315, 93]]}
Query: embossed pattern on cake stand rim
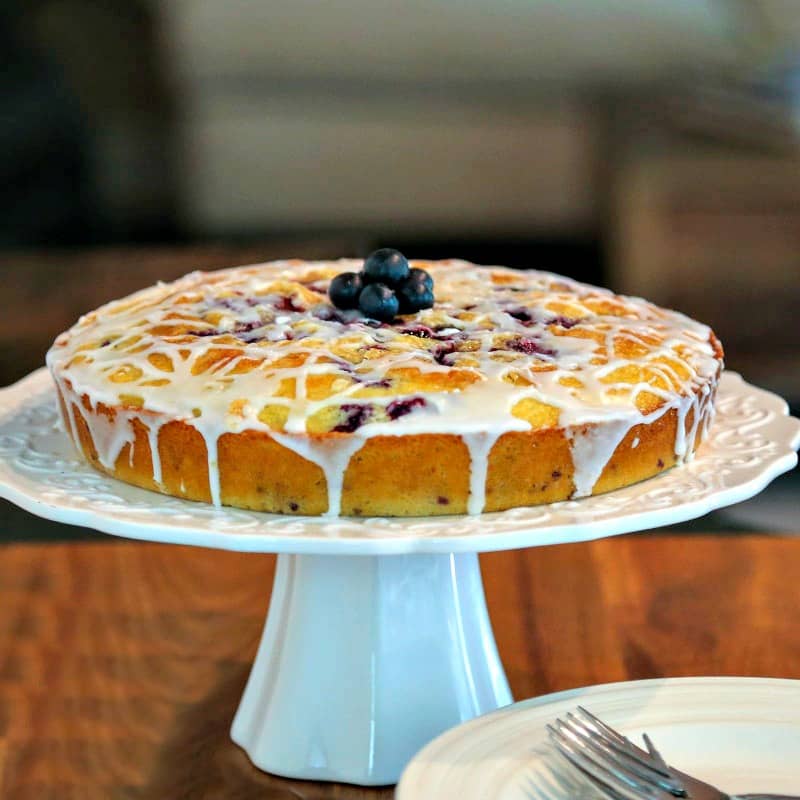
{"points": [[365, 659]]}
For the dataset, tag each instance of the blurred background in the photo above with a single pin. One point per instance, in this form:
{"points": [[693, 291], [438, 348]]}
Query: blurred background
{"points": [[652, 146]]}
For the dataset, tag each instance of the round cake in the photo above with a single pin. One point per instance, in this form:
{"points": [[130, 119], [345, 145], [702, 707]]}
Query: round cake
{"points": [[247, 387]]}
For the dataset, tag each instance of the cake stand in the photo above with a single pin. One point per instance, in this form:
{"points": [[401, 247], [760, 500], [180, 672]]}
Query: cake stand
{"points": [[377, 637]]}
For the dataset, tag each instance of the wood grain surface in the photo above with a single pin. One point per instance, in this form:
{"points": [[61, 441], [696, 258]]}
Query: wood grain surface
{"points": [[121, 664]]}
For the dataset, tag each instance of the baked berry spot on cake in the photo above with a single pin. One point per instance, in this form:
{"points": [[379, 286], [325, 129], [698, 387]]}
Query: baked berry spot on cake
{"points": [[384, 387]]}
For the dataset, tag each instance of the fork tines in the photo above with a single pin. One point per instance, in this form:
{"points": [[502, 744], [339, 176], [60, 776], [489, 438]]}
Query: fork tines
{"points": [[611, 761]]}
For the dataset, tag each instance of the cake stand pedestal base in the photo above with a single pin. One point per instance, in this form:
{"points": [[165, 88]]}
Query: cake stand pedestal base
{"points": [[363, 660]]}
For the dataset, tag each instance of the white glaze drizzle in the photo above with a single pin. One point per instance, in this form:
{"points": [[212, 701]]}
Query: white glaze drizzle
{"points": [[496, 322], [109, 436], [479, 446], [592, 447], [69, 416], [213, 468], [153, 429], [331, 456]]}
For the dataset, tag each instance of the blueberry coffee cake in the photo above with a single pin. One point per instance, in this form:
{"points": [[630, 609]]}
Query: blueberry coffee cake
{"points": [[383, 387]]}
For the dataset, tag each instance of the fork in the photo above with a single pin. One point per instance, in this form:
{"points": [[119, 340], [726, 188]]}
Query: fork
{"points": [[623, 771]]}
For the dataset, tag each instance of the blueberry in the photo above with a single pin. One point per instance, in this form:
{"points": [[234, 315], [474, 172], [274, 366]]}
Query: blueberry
{"points": [[353, 417], [385, 266], [414, 295], [345, 289], [524, 344], [420, 276], [379, 302], [399, 408]]}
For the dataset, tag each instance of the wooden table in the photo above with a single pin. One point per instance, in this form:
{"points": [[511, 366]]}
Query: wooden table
{"points": [[121, 664]]}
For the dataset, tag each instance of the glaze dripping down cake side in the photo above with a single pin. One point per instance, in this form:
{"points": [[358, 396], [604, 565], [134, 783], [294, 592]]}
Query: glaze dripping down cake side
{"points": [[247, 387]]}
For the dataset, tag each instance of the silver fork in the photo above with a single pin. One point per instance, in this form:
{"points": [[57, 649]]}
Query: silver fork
{"points": [[623, 771]]}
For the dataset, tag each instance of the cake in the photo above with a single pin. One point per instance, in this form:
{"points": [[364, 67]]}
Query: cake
{"points": [[248, 387]]}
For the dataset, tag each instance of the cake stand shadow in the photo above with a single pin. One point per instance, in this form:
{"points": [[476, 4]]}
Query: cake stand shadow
{"points": [[377, 638]]}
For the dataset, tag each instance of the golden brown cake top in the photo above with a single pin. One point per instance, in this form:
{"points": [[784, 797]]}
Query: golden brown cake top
{"points": [[262, 347]]}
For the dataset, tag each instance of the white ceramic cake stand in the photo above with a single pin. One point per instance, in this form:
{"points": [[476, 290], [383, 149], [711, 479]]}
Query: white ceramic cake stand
{"points": [[377, 638]]}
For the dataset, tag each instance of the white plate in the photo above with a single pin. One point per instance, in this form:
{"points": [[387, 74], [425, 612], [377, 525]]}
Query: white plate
{"points": [[741, 734], [752, 441]]}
